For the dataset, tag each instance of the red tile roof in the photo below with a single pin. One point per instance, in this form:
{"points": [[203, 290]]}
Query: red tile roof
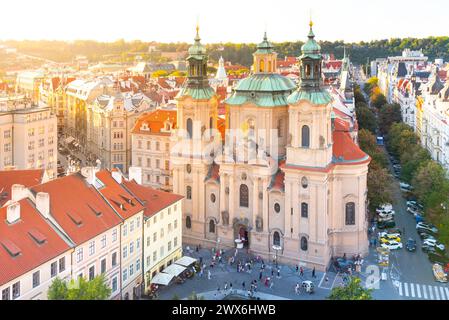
{"points": [[27, 178], [345, 149], [26, 236], [155, 121], [121, 200], [153, 200], [71, 198]]}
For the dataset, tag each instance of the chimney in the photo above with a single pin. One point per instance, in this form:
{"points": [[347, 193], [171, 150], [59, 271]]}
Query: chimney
{"points": [[89, 174], [17, 192], [117, 175], [13, 212], [43, 204], [136, 174]]}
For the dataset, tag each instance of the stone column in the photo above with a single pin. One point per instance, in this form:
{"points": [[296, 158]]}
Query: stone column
{"points": [[287, 208], [222, 194], [265, 205], [232, 198], [255, 201]]}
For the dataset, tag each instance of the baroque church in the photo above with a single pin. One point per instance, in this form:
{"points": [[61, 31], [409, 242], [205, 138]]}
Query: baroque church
{"points": [[287, 179]]}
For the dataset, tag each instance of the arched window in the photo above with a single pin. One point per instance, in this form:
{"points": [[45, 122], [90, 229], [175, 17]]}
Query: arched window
{"points": [[350, 213], [308, 70], [304, 244], [212, 226], [190, 128], [188, 222], [261, 65], [317, 71], [276, 239], [244, 195], [304, 210], [189, 192], [305, 136]]}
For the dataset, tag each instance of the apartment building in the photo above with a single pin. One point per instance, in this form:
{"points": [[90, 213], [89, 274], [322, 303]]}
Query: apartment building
{"points": [[162, 228], [28, 83], [151, 147], [32, 253], [73, 204], [130, 210], [110, 119], [28, 135]]}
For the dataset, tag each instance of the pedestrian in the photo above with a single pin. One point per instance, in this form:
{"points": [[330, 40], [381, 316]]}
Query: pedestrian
{"points": [[218, 289], [260, 276], [279, 273], [208, 274], [226, 286], [313, 273], [201, 260], [297, 288], [301, 272], [201, 273], [243, 285], [230, 286], [196, 249], [271, 284], [272, 272], [326, 279]]}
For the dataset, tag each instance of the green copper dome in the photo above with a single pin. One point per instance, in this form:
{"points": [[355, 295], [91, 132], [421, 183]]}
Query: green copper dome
{"points": [[265, 46], [263, 89], [197, 50], [311, 48]]}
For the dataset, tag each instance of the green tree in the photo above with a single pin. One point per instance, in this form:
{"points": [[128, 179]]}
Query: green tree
{"points": [[351, 291], [379, 186], [378, 100], [58, 290], [366, 119], [411, 160], [389, 114], [81, 289], [431, 185], [367, 142]]}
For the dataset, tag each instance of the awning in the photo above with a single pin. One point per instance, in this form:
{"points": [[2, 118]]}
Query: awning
{"points": [[162, 278], [69, 140], [174, 269], [186, 261]]}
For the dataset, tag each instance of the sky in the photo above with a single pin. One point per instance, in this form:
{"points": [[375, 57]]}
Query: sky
{"points": [[222, 20]]}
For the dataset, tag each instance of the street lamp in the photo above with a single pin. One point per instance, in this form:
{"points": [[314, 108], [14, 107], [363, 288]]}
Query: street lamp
{"points": [[218, 244], [276, 248]]}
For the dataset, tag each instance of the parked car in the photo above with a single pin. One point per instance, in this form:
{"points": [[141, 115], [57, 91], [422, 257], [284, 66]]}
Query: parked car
{"points": [[419, 218], [426, 235], [421, 226], [386, 224], [392, 245], [410, 245], [394, 231], [386, 214], [389, 234], [439, 273], [428, 249], [385, 219], [434, 243]]}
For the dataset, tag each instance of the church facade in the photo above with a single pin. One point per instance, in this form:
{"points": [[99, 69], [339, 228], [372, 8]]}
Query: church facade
{"points": [[289, 181]]}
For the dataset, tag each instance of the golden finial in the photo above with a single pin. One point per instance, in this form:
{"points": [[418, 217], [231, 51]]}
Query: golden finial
{"points": [[310, 19]]}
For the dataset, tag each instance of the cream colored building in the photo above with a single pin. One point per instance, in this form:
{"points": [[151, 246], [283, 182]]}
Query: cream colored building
{"points": [[32, 253], [151, 147], [290, 182], [162, 229], [28, 83], [109, 121], [28, 135]]}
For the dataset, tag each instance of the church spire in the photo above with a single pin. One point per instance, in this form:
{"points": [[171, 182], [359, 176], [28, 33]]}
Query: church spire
{"points": [[197, 63], [310, 62], [265, 57]]}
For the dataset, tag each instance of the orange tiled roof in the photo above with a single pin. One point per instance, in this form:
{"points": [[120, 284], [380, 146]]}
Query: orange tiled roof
{"points": [[121, 200], [153, 200], [31, 253], [27, 178], [155, 121], [72, 198]]}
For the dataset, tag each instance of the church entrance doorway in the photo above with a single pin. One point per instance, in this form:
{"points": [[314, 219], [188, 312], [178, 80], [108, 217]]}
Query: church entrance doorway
{"points": [[243, 235]]}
